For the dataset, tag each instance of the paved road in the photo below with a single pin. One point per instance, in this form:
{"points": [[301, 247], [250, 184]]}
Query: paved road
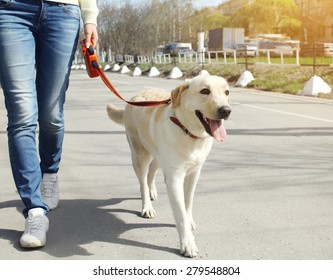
{"points": [[266, 193]]}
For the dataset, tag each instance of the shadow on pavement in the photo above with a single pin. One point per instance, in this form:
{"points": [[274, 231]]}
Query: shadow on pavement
{"points": [[83, 221]]}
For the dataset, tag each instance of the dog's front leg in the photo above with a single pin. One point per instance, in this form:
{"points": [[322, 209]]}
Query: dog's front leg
{"points": [[190, 184], [151, 179], [175, 187]]}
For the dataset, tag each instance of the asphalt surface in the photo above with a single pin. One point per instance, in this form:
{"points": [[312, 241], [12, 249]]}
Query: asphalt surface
{"points": [[265, 193]]}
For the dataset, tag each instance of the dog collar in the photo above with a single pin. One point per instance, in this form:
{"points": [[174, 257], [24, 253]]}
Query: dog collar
{"points": [[187, 132]]}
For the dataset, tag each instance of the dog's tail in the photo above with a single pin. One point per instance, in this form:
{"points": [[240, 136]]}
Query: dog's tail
{"points": [[116, 114]]}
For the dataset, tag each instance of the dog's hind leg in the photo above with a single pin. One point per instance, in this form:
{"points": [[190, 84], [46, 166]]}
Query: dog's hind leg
{"points": [[151, 179], [141, 160]]}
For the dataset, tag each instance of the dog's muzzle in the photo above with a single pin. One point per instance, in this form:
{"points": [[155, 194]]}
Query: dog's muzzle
{"points": [[224, 112]]}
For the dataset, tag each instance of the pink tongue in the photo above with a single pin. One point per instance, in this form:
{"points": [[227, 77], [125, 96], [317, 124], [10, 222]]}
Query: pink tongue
{"points": [[218, 130]]}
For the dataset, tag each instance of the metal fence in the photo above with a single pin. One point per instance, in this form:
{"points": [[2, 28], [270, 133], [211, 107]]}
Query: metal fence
{"points": [[294, 57], [231, 56]]}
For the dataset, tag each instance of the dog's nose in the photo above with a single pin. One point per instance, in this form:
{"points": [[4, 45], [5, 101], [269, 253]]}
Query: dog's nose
{"points": [[224, 112]]}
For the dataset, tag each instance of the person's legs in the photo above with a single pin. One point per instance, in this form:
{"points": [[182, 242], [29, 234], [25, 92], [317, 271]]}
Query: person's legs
{"points": [[56, 43], [17, 75], [36, 37]]}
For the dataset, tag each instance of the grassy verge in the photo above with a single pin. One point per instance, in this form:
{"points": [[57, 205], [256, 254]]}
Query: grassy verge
{"points": [[276, 77]]}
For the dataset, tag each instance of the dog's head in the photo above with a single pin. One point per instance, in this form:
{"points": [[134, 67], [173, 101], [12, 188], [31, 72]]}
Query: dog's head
{"points": [[201, 104]]}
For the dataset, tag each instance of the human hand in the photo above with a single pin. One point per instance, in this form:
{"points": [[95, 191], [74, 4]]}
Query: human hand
{"points": [[90, 31]]}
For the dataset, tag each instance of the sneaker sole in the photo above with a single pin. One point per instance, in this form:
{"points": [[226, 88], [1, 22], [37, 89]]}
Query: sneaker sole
{"points": [[33, 245]]}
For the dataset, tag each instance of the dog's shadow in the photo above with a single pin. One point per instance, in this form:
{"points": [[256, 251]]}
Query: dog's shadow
{"points": [[84, 221]]}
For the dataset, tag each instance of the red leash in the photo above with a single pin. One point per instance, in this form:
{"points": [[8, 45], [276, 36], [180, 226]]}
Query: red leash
{"points": [[94, 70]]}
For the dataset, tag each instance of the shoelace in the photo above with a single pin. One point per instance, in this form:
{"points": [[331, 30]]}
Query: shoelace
{"points": [[48, 188], [35, 223]]}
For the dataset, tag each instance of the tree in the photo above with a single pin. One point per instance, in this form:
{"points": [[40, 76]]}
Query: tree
{"points": [[268, 16], [141, 28], [121, 26], [134, 29], [208, 18], [317, 20], [242, 19]]}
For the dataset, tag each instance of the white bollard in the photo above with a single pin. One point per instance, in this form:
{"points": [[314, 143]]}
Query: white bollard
{"points": [[107, 67], [124, 70], [175, 73], [115, 68], [315, 86], [203, 72], [137, 71], [244, 79], [153, 72]]}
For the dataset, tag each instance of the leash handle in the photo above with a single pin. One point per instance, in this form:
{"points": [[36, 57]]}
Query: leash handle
{"points": [[94, 70], [90, 59]]}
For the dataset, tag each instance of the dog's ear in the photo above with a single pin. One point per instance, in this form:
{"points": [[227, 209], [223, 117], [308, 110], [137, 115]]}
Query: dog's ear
{"points": [[176, 94]]}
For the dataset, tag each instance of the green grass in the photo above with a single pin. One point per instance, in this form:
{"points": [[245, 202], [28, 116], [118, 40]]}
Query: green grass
{"points": [[275, 77]]}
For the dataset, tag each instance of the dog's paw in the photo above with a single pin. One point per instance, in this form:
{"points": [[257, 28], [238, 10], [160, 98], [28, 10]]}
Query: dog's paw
{"points": [[189, 249], [153, 194], [148, 212]]}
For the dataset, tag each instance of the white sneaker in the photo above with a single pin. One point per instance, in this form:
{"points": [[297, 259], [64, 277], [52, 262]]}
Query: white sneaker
{"points": [[50, 190], [36, 226]]}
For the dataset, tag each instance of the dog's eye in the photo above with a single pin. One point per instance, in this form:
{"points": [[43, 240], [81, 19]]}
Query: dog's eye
{"points": [[205, 91], [226, 92]]}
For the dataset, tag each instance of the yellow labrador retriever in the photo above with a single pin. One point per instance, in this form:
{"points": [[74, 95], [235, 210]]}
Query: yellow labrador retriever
{"points": [[177, 138]]}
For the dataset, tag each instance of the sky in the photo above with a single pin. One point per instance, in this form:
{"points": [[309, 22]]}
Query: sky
{"points": [[196, 3], [206, 3]]}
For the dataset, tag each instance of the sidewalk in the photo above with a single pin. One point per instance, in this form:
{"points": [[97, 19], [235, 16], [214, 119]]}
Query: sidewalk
{"points": [[266, 193]]}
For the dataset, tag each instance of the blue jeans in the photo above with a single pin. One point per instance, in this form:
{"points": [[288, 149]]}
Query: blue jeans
{"points": [[38, 40]]}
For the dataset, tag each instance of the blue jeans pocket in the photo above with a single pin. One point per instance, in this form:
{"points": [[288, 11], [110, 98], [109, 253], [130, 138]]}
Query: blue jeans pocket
{"points": [[72, 10]]}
